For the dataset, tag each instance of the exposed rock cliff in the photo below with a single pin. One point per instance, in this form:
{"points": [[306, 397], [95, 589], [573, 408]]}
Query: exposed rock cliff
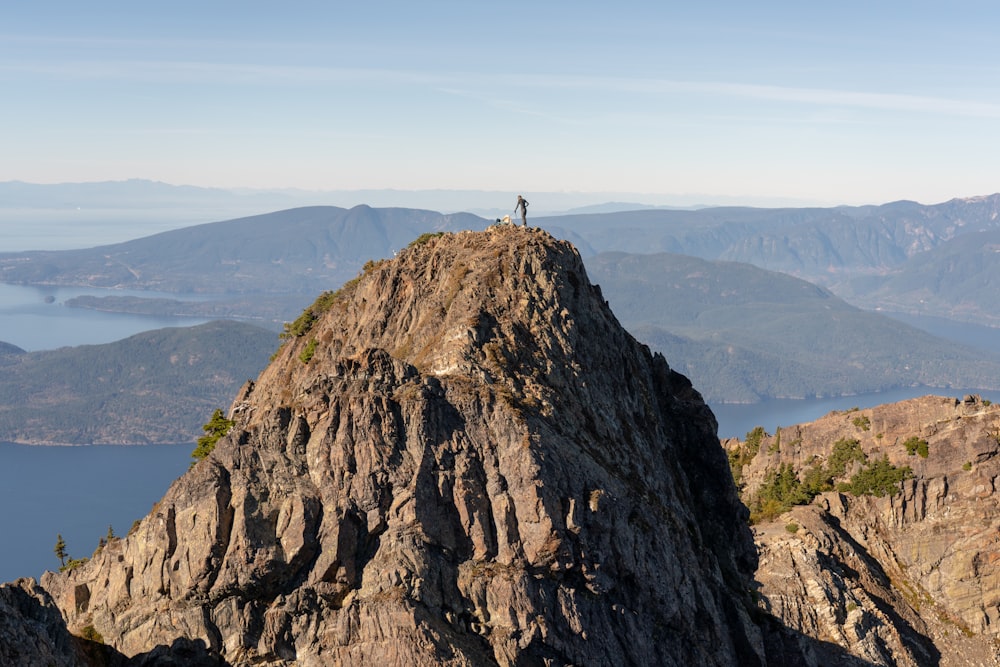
{"points": [[461, 458], [31, 629], [911, 578]]}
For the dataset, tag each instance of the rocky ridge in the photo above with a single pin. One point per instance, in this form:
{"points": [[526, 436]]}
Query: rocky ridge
{"points": [[460, 458], [911, 578]]}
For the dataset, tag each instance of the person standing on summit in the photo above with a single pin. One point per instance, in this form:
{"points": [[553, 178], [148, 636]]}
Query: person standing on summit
{"points": [[522, 204]]}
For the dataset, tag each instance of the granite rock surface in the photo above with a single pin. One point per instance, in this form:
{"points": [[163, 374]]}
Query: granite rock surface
{"points": [[459, 458]]}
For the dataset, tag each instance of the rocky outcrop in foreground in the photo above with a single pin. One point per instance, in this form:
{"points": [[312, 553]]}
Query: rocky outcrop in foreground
{"points": [[909, 578], [460, 458], [31, 628]]}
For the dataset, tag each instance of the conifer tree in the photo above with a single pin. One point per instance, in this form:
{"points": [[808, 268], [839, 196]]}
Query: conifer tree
{"points": [[60, 550], [216, 428]]}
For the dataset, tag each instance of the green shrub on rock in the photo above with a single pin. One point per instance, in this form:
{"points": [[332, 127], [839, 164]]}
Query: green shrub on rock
{"points": [[915, 445], [216, 428], [303, 323], [880, 478]]}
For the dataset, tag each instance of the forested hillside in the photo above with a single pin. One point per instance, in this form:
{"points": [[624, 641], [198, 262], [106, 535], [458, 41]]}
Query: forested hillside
{"points": [[155, 387], [743, 334]]}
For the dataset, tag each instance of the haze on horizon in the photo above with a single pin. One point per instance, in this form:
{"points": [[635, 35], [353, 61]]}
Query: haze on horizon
{"points": [[849, 103]]}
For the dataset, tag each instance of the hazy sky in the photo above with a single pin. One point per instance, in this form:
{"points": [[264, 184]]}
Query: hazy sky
{"points": [[836, 102]]}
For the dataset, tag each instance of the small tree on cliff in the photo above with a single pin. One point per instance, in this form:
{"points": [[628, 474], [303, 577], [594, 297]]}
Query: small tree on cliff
{"points": [[216, 427], [60, 550]]}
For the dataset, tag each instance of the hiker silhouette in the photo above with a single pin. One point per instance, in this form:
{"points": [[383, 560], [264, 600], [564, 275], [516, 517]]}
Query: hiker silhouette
{"points": [[522, 204]]}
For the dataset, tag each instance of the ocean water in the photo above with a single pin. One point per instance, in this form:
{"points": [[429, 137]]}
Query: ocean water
{"points": [[70, 228], [37, 318], [76, 492]]}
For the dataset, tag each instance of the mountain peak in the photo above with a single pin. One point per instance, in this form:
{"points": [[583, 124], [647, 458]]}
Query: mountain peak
{"points": [[446, 296], [458, 458], [508, 305]]}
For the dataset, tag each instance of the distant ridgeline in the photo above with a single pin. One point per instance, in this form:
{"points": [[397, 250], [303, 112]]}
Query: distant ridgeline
{"points": [[741, 333]]}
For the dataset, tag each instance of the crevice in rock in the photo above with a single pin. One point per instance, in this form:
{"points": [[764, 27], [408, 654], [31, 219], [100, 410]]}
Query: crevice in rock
{"points": [[225, 517]]}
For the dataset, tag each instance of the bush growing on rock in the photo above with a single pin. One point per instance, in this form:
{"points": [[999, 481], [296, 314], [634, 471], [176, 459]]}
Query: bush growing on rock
{"points": [[303, 323], [782, 488], [915, 445], [880, 478], [216, 427], [779, 492], [746, 453]]}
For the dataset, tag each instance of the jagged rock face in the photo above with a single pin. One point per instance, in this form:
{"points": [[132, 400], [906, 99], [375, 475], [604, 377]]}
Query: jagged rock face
{"points": [[464, 461], [32, 631], [907, 579]]}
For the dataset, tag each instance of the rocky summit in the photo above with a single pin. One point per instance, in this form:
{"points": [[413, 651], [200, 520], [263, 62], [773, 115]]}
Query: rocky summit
{"points": [[459, 458]]}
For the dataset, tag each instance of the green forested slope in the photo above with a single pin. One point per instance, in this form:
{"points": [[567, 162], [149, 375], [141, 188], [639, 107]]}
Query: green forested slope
{"points": [[742, 333], [154, 387]]}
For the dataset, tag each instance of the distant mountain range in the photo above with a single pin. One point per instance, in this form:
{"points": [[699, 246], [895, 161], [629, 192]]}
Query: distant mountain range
{"points": [[292, 251], [901, 256], [958, 279], [143, 198], [938, 260], [742, 333]]}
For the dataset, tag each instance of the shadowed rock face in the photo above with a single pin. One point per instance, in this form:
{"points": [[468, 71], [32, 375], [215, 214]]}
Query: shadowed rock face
{"points": [[31, 629], [464, 460], [33, 634]]}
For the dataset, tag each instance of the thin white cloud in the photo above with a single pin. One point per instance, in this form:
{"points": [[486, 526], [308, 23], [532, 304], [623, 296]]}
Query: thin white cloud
{"points": [[866, 100], [486, 86], [811, 96]]}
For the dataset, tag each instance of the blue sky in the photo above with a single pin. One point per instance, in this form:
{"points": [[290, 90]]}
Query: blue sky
{"points": [[850, 102]]}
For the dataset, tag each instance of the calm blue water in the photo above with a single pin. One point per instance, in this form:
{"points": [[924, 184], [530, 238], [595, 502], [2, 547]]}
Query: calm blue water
{"points": [[985, 338], [36, 318], [76, 492]]}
